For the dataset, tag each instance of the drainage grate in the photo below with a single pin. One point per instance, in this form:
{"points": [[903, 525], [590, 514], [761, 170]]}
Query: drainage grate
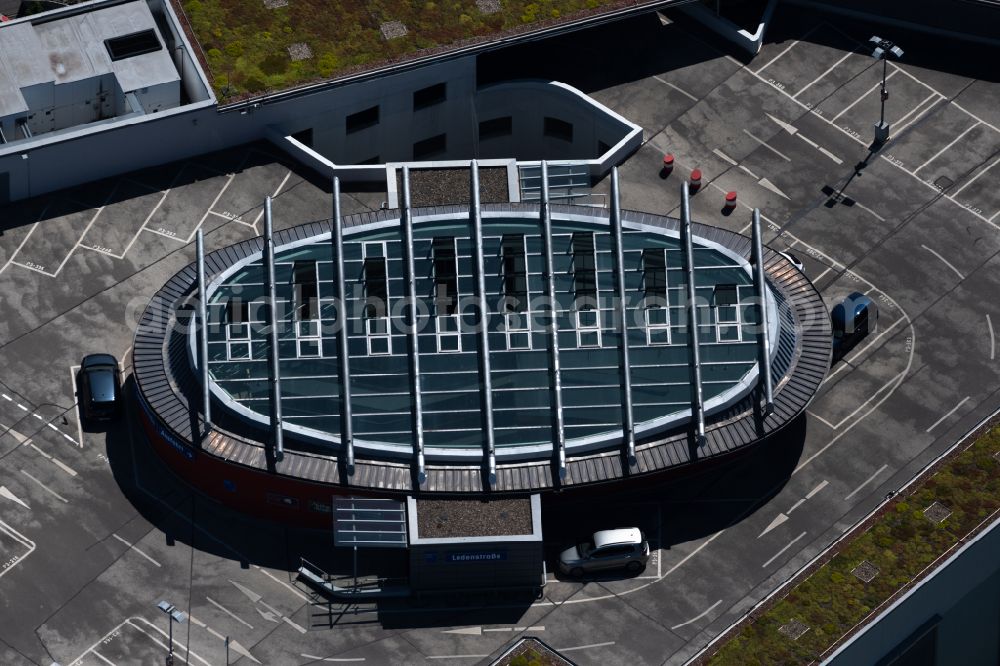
{"points": [[794, 630], [393, 29], [937, 512], [865, 572], [488, 6], [299, 51], [944, 182]]}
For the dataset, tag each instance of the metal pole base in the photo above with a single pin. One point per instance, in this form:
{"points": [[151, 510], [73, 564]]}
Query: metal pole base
{"points": [[881, 132]]}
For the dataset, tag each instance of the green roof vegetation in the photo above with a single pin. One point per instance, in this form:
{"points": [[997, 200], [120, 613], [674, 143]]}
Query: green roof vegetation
{"points": [[901, 543], [246, 43]]}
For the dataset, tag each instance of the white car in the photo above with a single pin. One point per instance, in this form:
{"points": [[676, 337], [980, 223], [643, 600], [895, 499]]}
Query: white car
{"points": [[609, 549]]}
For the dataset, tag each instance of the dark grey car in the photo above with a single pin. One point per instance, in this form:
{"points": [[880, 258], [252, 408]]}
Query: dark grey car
{"points": [[100, 387]]}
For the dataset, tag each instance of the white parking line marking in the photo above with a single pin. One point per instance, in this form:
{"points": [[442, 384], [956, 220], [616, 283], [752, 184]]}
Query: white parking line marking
{"points": [[821, 419], [823, 484], [228, 612], [457, 656], [218, 196], [45, 487], [830, 69], [727, 158], [178, 645], [680, 90], [697, 617], [22, 407], [585, 647], [764, 182], [291, 589], [857, 354], [974, 116], [238, 219], [64, 467], [136, 549], [782, 551], [866, 482], [32, 267], [764, 143], [276, 193], [23, 241], [993, 339], [946, 262], [808, 140], [339, 659], [783, 52], [7, 494], [752, 174], [867, 92], [830, 155], [902, 121], [292, 624], [869, 210], [102, 657], [950, 412], [947, 146], [973, 179], [21, 539], [902, 126]]}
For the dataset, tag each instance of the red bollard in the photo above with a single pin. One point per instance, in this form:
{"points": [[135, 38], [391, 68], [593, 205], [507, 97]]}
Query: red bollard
{"points": [[730, 201], [668, 163], [695, 180]]}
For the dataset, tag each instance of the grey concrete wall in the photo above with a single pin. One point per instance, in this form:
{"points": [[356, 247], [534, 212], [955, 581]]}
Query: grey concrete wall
{"points": [[965, 594]]}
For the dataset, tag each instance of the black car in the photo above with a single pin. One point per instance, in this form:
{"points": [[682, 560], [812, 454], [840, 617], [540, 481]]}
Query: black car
{"points": [[852, 320], [100, 387]]}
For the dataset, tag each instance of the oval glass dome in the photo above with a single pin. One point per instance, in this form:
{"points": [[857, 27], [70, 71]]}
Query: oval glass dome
{"points": [[520, 357]]}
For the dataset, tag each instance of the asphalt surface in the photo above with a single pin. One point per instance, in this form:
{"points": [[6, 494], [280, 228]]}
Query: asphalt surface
{"points": [[94, 531]]}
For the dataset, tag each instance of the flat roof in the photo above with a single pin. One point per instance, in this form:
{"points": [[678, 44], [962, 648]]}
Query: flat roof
{"points": [[61, 49], [311, 41], [453, 518]]}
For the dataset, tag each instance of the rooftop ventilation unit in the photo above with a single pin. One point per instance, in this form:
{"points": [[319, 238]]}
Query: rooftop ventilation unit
{"points": [[135, 44]]}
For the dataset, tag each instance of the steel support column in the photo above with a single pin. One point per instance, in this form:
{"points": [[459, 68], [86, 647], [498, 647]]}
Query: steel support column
{"points": [[206, 393], [485, 376], [697, 401], [760, 290], [414, 348], [628, 420], [550, 295], [343, 359], [278, 444]]}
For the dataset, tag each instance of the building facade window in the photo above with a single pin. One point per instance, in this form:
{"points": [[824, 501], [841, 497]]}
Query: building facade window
{"points": [[558, 129], [496, 128], [584, 271], [515, 273], [430, 147], [376, 299], [362, 120], [430, 96], [446, 295]]}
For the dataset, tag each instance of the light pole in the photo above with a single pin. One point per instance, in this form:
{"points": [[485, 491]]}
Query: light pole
{"points": [[175, 616], [883, 48]]}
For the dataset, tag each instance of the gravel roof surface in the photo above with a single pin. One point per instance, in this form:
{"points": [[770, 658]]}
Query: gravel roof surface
{"points": [[446, 518], [441, 187]]}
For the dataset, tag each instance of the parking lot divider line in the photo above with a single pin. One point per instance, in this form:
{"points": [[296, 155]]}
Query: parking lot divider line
{"points": [[103, 638], [866, 482], [972, 115], [783, 52], [970, 181], [829, 69], [902, 121], [680, 90], [80, 239], [868, 92], [897, 68], [950, 412], [782, 551], [218, 196], [45, 487], [31, 268], [947, 146]]}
